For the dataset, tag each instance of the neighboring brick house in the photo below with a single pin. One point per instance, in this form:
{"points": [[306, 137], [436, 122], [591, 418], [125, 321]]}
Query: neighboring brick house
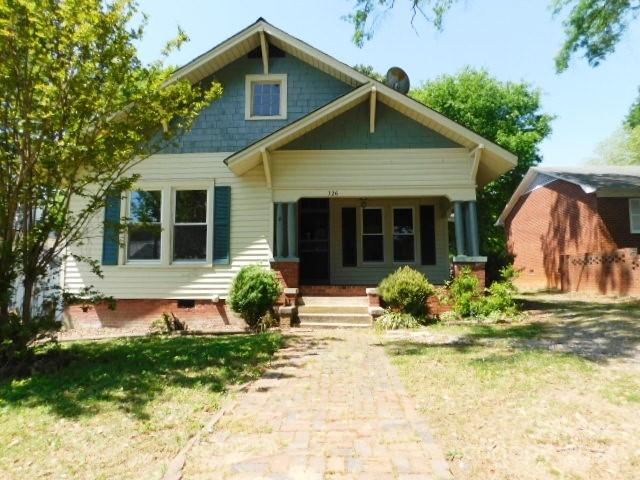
{"points": [[566, 226], [304, 165]]}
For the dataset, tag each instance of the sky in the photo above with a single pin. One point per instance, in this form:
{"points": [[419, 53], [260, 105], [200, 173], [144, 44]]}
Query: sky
{"points": [[513, 39]]}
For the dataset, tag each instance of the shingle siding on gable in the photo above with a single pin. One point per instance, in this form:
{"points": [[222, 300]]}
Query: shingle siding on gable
{"points": [[351, 131], [221, 127]]}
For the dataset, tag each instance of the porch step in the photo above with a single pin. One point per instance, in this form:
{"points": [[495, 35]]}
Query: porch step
{"points": [[330, 309], [351, 318], [360, 301]]}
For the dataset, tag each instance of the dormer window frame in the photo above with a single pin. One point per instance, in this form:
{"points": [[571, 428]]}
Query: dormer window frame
{"points": [[251, 80]]}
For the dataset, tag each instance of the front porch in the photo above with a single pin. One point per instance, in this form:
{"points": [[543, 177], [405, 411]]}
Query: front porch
{"points": [[341, 246]]}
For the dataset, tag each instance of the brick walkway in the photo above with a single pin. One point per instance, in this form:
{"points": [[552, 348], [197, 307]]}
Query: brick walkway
{"points": [[332, 406]]}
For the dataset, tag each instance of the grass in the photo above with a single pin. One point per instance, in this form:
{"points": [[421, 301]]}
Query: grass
{"points": [[503, 407], [120, 408]]}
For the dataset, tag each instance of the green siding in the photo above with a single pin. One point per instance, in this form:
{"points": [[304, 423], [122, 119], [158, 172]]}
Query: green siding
{"points": [[111, 223], [350, 131], [221, 225]]}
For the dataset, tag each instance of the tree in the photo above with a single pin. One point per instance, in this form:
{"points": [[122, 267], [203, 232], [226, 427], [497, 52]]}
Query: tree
{"points": [[621, 148], [370, 72], [77, 110], [506, 113], [633, 117], [593, 27]]}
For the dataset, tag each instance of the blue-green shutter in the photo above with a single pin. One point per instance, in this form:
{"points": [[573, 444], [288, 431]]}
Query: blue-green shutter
{"points": [[221, 225], [110, 244]]}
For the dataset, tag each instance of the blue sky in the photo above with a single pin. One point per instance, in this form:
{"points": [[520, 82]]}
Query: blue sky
{"points": [[512, 39]]}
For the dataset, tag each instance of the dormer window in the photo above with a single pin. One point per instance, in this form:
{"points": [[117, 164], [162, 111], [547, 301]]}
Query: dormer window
{"points": [[266, 97]]}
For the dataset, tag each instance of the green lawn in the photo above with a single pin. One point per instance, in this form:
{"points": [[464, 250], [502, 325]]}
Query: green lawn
{"points": [[121, 408], [534, 400]]}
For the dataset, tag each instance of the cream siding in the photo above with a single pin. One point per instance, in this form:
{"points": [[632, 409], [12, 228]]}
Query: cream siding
{"points": [[372, 273], [250, 234], [365, 173]]}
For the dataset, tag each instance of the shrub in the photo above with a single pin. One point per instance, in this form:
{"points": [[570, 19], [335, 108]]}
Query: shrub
{"points": [[499, 297], [449, 316], [167, 323], [253, 292], [406, 290], [391, 320], [464, 293]]}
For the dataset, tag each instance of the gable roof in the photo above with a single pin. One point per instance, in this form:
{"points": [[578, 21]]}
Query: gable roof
{"points": [[591, 179], [494, 160]]}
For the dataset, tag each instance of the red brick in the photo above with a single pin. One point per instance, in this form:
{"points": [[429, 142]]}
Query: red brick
{"points": [[560, 219]]}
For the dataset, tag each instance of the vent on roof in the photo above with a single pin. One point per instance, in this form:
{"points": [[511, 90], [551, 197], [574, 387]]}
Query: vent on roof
{"points": [[274, 52]]}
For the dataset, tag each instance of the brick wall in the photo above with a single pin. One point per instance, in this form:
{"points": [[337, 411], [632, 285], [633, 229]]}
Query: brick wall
{"points": [[554, 220], [614, 212], [288, 273], [205, 315], [616, 272]]}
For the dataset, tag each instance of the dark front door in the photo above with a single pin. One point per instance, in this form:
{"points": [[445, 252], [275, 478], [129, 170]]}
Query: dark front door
{"points": [[314, 241]]}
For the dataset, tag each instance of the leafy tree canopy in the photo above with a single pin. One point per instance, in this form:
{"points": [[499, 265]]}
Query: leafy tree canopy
{"points": [[370, 72], [633, 117], [592, 27], [621, 148], [507, 113], [78, 109]]}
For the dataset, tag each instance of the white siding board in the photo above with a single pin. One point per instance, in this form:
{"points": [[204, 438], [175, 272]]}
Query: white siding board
{"points": [[250, 229]]}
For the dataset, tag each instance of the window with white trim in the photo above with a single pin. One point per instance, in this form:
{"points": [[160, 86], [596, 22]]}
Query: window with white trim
{"points": [[372, 235], [266, 97], [634, 214], [145, 227], [403, 235], [190, 225]]}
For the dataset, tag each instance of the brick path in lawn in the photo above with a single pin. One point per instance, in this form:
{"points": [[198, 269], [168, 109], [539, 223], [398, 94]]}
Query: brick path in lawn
{"points": [[330, 407]]}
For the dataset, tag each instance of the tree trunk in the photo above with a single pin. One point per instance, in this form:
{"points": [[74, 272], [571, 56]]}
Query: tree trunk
{"points": [[27, 299]]}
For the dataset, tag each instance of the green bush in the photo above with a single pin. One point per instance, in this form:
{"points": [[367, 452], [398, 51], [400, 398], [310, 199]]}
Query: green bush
{"points": [[167, 323], [406, 290], [253, 292], [464, 293], [497, 301], [391, 320]]}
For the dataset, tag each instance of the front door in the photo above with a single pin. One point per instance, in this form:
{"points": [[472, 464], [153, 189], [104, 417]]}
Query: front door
{"points": [[314, 241]]}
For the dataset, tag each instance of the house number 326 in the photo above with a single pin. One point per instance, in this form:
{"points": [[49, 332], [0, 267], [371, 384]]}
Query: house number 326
{"points": [[333, 193]]}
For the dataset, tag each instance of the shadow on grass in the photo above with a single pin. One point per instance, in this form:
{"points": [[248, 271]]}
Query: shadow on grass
{"points": [[130, 373]]}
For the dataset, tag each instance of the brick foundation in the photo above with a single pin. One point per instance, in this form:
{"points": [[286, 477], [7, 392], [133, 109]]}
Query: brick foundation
{"points": [[608, 273], [288, 272], [205, 315], [478, 268]]}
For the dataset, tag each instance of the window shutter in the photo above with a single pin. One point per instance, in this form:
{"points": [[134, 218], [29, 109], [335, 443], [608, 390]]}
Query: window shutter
{"points": [[221, 225], [427, 235], [110, 244], [349, 240]]}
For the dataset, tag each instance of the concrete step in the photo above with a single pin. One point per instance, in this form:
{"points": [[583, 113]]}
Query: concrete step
{"points": [[334, 301], [362, 309], [333, 325], [350, 318]]}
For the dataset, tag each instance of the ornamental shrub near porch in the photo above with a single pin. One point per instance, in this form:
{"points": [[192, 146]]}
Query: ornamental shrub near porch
{"points": [[254, 291], [406, 290]]}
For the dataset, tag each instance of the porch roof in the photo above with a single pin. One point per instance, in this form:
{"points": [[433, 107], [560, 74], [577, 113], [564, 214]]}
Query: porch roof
{"points": [[493, 160]]}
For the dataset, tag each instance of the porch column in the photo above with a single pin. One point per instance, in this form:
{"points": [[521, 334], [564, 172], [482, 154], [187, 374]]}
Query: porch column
{"points": [[458, 217], [472, 226], [292, 230], [280, 230]]}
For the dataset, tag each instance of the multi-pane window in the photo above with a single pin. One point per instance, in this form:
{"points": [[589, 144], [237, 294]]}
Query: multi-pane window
{"points": [[372, 235], [634, 214], [403, 235], [266, 97], [144, 232], [190, 225]]}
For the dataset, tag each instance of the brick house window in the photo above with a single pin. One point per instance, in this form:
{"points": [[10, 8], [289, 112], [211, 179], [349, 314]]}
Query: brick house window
{"points": [[634, 214], [143, 240], [266, 97]]}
